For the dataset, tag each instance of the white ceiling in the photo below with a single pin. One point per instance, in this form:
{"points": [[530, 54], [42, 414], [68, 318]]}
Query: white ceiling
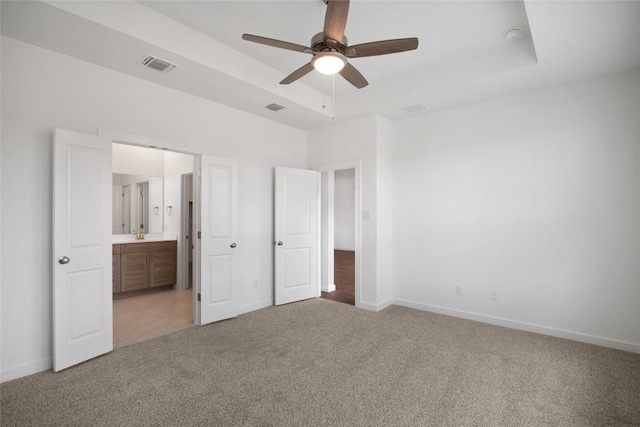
{"points": [[462, 57]]}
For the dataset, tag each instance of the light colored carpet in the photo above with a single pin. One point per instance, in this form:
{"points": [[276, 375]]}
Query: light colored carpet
{"points": [[320, 362]]}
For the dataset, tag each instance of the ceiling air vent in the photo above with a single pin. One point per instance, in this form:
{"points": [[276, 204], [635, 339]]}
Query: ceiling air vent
{"points": [[414, 108], [158, 64], [274, 107]]}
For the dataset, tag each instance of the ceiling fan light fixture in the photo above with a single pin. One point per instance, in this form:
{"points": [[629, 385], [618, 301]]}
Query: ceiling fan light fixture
{"points": [[329, 63]]}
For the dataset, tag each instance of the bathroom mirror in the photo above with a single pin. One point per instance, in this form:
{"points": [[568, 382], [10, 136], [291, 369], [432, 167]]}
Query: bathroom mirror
{"points": [[137, 204]]}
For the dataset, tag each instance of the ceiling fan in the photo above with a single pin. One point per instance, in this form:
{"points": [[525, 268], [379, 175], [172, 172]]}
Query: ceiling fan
{"points": [[331, 50]]}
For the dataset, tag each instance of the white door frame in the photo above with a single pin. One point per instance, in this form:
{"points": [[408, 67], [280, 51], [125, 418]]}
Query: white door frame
{"points": [[327, 244], [184, 227]]}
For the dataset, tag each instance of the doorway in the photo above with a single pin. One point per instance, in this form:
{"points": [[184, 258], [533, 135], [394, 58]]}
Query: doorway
{"points": [[159, 301], [83, 315], [341, 232], [343, 237]]}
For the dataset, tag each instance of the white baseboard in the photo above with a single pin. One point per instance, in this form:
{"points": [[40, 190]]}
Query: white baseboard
{"points": [[330, 288], [24, 370], [523, 326], [254, 306], [344, 249], [375, 307]]}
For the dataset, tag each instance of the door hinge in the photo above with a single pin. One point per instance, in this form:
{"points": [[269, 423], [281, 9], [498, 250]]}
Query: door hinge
{"points": [[199, 235], [199, 172], [199, 297]]}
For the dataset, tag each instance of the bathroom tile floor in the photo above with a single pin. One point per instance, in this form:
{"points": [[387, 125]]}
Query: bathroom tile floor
{"points": [[143, 317]]}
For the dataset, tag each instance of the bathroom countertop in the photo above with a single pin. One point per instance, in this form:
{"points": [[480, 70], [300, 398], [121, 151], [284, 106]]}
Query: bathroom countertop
{"points": [[119, 239]]}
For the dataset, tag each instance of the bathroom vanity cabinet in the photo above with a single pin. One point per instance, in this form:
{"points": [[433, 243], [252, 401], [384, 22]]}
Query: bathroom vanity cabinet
{"points": [[142, 267]]}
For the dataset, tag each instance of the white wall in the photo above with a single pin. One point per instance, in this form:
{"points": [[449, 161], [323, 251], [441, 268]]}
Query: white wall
{"points": [[175, 165], [42, 90], [132, 160], [384, 201], [344, 210], [536, 195]]}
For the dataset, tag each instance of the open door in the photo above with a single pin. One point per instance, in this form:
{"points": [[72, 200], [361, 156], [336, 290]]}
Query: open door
{"points": [[82, 285], [297, 232], [217, 255]]}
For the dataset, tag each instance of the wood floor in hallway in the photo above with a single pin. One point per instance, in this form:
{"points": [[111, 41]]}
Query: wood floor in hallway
{"points": [[344, 278], [143, 317]]}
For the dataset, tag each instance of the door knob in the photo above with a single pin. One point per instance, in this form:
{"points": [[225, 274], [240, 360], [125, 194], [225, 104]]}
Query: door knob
{"points": [[64, 260], [233, 245], [279, 242]]}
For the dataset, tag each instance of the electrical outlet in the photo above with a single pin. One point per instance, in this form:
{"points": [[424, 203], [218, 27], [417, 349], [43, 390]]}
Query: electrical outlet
{"points": [[495, 294], [458, 290]]}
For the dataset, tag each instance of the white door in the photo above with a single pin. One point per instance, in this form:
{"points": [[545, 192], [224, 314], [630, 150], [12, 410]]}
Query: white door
{"points": [[82, 286], [297, 231], [218, 247]]}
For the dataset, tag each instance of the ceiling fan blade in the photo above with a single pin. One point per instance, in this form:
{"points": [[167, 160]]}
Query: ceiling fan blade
{"points": [[335, 20], [353, 76], [383, 47], [276, 43], [300, 72]]}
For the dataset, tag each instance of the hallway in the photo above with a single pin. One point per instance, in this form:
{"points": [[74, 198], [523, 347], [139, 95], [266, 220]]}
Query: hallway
{"points": [[344, 278]]}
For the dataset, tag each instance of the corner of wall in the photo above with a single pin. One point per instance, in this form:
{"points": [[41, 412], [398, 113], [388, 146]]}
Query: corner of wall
{"points": [[384, 208]]}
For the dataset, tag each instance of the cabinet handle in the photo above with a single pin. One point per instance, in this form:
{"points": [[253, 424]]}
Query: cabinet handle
{"points": [[233, 245], [64, 260]]}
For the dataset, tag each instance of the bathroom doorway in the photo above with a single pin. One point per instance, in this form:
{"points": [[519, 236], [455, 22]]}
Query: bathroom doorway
{"points": [[153, 296]]}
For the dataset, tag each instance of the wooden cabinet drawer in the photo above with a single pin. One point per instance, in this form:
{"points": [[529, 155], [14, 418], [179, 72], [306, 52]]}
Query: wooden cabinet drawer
{"points": [[162, 268], [134, 271]]}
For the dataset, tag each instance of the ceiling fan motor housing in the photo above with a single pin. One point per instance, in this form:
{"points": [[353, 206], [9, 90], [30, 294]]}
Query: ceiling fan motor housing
{"points": [[318, 44]]}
